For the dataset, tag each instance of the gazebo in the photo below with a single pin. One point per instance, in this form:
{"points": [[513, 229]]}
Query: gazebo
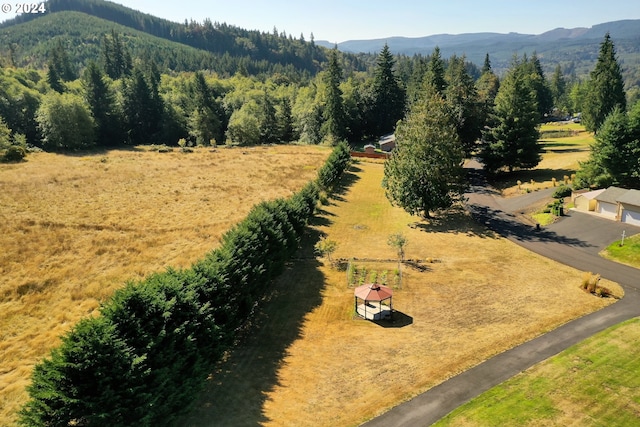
{"points": [[373, 301]]}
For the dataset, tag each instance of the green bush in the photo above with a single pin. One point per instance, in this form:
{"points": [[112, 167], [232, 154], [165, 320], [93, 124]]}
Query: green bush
{"points": [[562, 192], [14, 153]]}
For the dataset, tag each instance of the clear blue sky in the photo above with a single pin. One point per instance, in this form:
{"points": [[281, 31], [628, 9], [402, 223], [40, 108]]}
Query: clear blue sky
{"points": [[341, 20]]}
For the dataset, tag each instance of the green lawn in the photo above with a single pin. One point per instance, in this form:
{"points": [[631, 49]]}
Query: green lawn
{"points": [[594, 383], [629, 253]]}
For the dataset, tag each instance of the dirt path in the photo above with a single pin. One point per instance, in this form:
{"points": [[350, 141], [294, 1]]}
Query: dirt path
{"points": [[560, 243]]}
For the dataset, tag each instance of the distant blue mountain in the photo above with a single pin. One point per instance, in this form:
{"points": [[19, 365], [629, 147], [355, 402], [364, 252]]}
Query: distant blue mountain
{"points": [[574, 48]]}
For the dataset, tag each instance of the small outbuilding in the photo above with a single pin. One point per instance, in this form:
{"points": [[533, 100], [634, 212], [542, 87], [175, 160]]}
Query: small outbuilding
{"points": [[388, 143], [586, 200], [373, 301]]}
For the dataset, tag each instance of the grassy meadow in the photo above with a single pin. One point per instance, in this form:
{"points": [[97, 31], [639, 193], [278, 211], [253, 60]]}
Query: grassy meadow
{"points": [[594, 383], [310, 362], [74, 228]]}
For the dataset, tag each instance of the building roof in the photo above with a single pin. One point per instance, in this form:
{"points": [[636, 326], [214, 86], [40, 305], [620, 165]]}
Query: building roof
{"points": [[611, 195], [590, 195], [631, 197], [373, 292]]}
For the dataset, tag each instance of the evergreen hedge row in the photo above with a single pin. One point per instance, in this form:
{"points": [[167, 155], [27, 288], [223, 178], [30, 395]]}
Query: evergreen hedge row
{"points": [[144, 359]]}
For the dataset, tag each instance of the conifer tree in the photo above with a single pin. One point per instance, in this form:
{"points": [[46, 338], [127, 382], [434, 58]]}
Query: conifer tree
{"points": [[116, 58], [102, 104], [334, 114], [605, 87], [434, 78], [511, 140], [388, 95], [205, 121], [464, 104]]}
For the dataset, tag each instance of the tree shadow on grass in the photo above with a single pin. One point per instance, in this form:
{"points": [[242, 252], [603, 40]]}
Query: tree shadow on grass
{"points": [[349, 177], [398, 320], [456, 220], [237, 390]]}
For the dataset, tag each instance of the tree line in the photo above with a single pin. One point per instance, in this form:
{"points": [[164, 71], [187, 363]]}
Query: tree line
{"points": [[498, 121], [145, 357]]}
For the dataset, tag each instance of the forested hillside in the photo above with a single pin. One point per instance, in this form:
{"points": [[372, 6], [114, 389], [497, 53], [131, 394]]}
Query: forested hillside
{"points": [[188, 46]]}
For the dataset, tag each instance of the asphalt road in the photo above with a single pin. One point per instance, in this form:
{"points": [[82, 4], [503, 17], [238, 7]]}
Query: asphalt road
{"points": [[575, 241]]}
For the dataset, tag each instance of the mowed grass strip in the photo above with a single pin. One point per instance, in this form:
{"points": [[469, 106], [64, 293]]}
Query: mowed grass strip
{"points": [[594, 383], [627, 253], [73, 228], [311, 362]]}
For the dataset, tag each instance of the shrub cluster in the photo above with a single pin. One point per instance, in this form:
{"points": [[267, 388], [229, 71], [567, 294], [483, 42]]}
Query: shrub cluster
{"points": [[330, 172], [144, 359], [562, 192]]}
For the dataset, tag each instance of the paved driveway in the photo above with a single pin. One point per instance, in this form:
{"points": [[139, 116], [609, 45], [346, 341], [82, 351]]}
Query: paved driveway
{"points": [[575, 241]]}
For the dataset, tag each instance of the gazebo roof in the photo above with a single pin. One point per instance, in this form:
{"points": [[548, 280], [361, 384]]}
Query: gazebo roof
{"points": [[373, 292]]}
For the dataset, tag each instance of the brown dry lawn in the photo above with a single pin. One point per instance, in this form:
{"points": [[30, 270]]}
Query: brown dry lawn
{"points": [[310, 362], [75, 228]]}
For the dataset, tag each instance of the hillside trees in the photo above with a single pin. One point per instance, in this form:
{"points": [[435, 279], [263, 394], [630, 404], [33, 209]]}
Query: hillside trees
{"points": [[116, 58], [425, 173], [605, 87], [511, 139]]}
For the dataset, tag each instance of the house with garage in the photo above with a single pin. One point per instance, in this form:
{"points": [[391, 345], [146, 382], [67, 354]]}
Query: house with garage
{"points": [[629, 207], [607, 202]]}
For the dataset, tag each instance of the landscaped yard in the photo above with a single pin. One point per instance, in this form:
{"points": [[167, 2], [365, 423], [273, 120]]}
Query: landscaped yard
{"points": [[310, 362], [627, 253], [73, 228], [594, 383]]}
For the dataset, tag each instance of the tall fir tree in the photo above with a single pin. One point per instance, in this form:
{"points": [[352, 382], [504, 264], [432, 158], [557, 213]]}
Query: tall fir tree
{"points": [[334, 113], [205, 122], [434, 77], [511, 139], [116, 58], [388, 95], [101, 100], [605, 87], [558, 86], [142, 108], [538, 83], [464, 104]]}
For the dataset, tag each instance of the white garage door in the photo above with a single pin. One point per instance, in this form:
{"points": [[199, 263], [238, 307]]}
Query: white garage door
{"points": [[631, 217], [607, 209]]}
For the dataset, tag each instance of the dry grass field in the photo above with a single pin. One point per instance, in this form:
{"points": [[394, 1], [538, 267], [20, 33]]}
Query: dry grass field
{"points": [[311, 362], [74, 228]]}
